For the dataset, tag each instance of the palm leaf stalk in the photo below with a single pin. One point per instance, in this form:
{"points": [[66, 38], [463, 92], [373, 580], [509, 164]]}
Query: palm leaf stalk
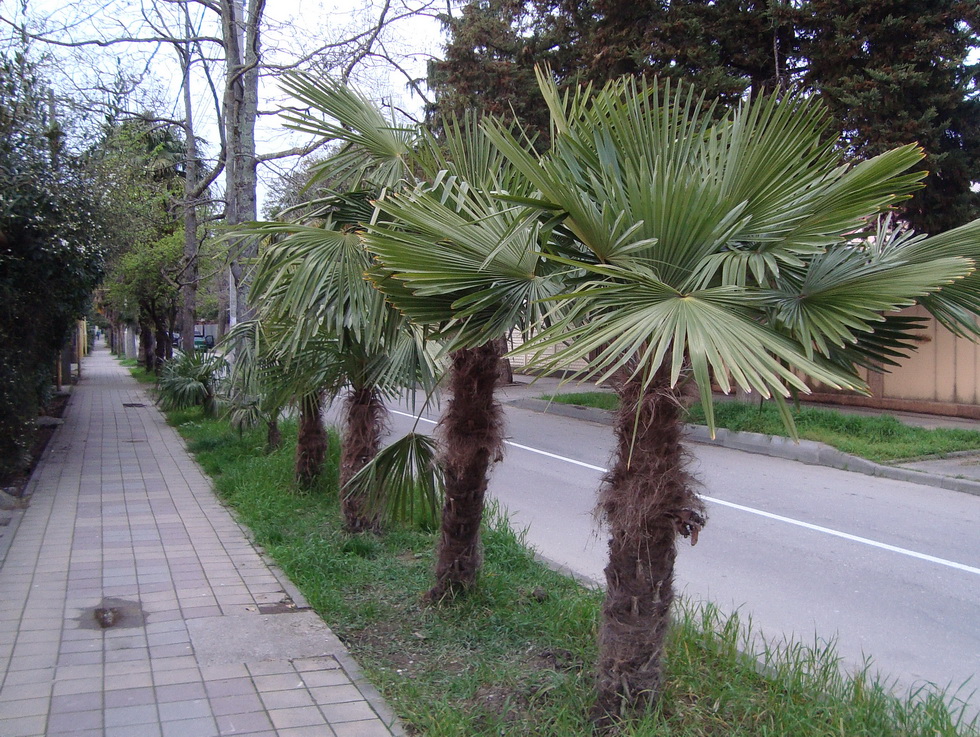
{"points": [[739, 252]]}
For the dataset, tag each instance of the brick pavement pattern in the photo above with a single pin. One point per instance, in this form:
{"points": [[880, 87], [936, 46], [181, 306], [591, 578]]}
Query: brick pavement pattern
{"points": [[122, 520]]}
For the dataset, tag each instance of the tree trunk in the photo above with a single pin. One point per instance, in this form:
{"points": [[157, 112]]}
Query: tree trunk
{"points": [[162, 339], [147, 356], [188, 290], [646, 500], [364, 423], [273, 436], [311, 443], [241, 33], [472, 430]]}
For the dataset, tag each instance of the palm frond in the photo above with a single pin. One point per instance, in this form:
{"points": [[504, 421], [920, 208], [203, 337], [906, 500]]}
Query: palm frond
{"points": [[403, 483]]}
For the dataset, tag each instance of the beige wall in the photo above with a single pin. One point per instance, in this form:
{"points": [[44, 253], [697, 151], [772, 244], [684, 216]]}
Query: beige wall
{"points": [[942, 376], [943, 369]]}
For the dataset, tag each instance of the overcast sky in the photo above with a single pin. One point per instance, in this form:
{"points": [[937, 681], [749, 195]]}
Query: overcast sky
{"points": [[294, 27]]}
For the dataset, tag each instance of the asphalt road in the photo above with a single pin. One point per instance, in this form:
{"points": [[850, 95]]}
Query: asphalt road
{"points": [[888, 570]]}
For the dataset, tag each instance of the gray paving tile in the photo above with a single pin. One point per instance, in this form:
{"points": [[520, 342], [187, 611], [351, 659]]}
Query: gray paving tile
{"points": [[350, 711], [202, 727], [188, 709], [112, 519], [287, 699], [229, 687], [368, 728], [248, 723], [303, 716], [86, 701], [120, 716]]}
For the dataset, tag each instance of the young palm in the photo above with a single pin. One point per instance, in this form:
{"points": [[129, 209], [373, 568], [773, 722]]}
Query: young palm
{"points": [[495, 244], [313, 277], [467, 263], [739, 252]]}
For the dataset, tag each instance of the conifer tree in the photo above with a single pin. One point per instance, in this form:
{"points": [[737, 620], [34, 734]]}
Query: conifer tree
{"points": [[894, 72], [890, 71]]}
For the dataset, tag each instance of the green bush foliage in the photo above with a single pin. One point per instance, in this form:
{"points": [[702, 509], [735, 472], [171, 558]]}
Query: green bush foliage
{"points": [[50, 258]]}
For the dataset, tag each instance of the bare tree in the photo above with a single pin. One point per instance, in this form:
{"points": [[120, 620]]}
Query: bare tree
{"points": [[220, 44]]}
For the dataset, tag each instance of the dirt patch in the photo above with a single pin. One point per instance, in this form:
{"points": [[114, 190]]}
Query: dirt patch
{"points": [[16, 484]]}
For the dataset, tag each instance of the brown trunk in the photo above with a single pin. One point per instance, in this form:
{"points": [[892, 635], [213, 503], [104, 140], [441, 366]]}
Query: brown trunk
{"points": [[273, 436], [311, 441], [472, 430], [147, 355], [364, 424], [162, 339], [646, 500]]}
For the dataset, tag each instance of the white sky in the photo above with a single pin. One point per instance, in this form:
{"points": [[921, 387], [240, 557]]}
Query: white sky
{"points": [[293, 28]]}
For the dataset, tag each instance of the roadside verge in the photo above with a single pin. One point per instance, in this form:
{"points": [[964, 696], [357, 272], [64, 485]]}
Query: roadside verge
{"points": [[804, 451]]}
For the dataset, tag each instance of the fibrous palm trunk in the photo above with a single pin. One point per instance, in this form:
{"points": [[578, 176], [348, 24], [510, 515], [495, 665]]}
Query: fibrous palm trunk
{"points": [[472, 430], [364, 424], [273, 435], [311, 442], [646, 501]]}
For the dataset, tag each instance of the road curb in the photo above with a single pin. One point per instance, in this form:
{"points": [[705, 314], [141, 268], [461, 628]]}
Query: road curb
{"points": [[804, 451]]}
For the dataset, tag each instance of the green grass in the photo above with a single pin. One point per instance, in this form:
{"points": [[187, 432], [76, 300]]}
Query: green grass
{"points": [[596, 400], [138, 372], [880, 438], [516, 656]]}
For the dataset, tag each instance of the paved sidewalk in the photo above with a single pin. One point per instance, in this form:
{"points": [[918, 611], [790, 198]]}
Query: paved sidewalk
{"points": [[203, 639]]}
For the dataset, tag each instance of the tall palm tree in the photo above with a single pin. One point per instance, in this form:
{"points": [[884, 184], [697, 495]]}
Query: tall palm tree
{"points": [[739, 252], [696, 248], [437, 232]]}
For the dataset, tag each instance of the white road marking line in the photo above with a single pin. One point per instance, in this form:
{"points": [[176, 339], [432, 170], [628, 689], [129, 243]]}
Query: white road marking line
{"points": [[759, 512]]}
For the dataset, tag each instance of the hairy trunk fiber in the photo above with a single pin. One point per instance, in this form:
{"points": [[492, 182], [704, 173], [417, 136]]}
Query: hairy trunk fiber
{"points": [[273, 436], [646, 500], [364, 423], [472, 430], [311, 442]]}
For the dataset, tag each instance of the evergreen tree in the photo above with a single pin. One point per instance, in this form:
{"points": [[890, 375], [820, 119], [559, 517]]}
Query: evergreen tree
{"points": [[890, 71], [51, 226], [493, 48], [894, 72]]}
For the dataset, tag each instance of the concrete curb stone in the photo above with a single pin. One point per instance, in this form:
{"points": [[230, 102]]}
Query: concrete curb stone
{"points": [[804, 451]]}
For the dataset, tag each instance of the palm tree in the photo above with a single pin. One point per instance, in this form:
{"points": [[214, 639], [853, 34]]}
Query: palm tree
{"points": [[267, 375], [467, 263], [739, 252], [498, 240], [697, 248], [313, 277], [249, 394]]}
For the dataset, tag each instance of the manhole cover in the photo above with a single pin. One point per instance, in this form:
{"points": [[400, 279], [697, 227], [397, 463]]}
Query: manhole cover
{"points": [[133, 404]]}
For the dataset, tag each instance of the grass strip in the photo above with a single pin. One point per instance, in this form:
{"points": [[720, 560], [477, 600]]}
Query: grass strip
{"points": [[516, 656], [880, 438]]}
